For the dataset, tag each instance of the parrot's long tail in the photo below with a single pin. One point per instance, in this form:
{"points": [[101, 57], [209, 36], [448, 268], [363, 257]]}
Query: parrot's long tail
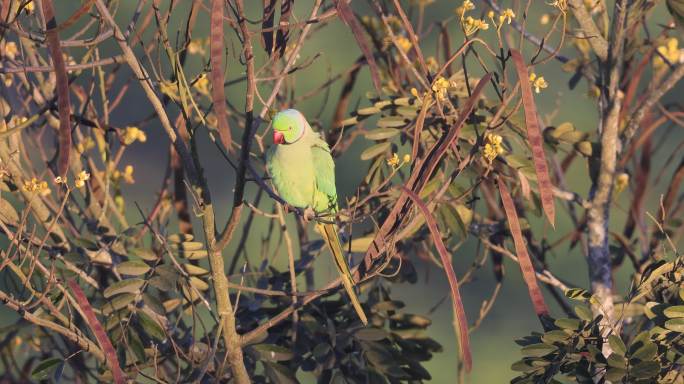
{"points": [[329, 233]]}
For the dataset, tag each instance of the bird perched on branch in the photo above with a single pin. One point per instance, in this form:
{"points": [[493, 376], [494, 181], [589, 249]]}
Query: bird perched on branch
{"points": [[303, 173]]}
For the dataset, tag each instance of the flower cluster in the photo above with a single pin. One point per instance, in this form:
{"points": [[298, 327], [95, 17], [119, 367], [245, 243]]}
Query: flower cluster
{"points": [[81, 178], [562, 5], [202, 84], [85, 145], [404, 44], [394, 161], [538, 82], [35, 185], [126, 175], [10, 50], [440, 88], [471, 25], [669, 51], [198, 46], [506, 16], [30, 7], [131, 134], [492, 147]]}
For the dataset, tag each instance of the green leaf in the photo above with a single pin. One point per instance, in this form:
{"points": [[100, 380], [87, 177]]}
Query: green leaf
{"points": [[367, 111], [674, 311], [123, 286], [151, 326], [133, 268], [180, 238], [143, 253], [198, 283], [272, 352], [392, 122], [187, 246], [645, 369], [136, 344], [578, 294], [617, 361], [522, 366], [596, 354], [371, 334], [375, 150], [676, 325], [119, 302], [646, 352], [615, 375], [194, 270], [584, 313], [8, 214], [555, 336], [195, 255], [567, 323], [538, 350], [279, 373], [382, 133], [45, 368], [617, 345]]}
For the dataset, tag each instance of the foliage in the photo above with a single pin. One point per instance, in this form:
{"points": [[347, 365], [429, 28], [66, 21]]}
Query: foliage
{"points": [[457, 154], [650, 347]]}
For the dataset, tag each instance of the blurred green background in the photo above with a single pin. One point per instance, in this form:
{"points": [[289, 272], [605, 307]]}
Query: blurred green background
{"points": [[512, 316]]}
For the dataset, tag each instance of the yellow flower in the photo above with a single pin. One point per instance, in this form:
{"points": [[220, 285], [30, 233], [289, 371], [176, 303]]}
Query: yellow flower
{"points": [[404, 44], [471, 25], [126, 175], [507, 16], [7, 79], [35, 185], [492, 147], [440, 88], [538, 82], [196, 46], [10, 50], [544, 19], [81, 178], [393, 161], [621, 182], [432, 64], [407, 158], [87, 144], [670, 51], [465, 7], [30, 7], [417, 95], [131, 134], [202, 84], [562, 5], [60, 180]]}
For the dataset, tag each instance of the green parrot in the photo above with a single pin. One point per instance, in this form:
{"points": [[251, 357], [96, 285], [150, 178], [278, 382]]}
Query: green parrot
{"points": [[303, 173]]}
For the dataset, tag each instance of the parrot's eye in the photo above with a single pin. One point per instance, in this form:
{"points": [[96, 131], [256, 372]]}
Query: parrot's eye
{"points": [[289, 128]]}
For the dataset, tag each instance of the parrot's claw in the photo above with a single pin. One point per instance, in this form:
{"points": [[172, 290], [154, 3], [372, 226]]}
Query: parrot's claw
{"points": [[286, 208], [308, 215]]}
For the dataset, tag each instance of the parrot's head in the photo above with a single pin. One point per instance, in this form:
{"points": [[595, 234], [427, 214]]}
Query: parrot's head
{"points": [[288, 126]]}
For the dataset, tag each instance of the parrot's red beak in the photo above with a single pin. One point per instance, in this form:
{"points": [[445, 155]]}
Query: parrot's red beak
{"points": [[278, 137]]}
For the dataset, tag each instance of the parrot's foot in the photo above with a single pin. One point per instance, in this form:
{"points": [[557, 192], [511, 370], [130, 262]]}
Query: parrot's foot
{"points": [[308, 215], [286, 208]]}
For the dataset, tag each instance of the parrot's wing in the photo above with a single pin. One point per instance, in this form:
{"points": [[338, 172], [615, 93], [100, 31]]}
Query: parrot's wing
{"points": [[324, 167]]}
